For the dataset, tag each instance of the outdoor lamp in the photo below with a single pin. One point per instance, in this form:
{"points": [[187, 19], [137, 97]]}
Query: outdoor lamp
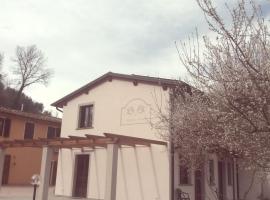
{"points": [[35, 181]]}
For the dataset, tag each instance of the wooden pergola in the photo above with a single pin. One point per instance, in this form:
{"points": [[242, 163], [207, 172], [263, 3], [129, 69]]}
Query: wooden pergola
{"points": [[109, 141]]}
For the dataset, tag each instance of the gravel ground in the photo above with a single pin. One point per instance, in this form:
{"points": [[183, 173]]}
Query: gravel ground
{"points": [[25, 193]]}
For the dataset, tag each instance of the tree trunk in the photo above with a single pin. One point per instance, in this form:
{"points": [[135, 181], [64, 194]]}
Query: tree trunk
{"points": [[16, 102]]}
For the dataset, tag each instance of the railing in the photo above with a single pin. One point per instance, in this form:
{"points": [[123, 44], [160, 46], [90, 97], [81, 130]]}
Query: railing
{"points": [[180, 195]]}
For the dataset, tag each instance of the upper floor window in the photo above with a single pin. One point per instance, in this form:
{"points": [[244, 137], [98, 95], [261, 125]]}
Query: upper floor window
{"points": [[29, 130], [5, 124], [184, 175], [86, 116], [53, 132]]}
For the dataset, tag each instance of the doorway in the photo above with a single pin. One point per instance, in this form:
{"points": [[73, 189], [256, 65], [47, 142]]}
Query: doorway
{"points": [[6, 169], [53, 172], [81, 175], [199, 185]]}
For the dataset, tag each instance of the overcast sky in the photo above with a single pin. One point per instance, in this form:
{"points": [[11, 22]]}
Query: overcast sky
{"points": [[84, 39]]}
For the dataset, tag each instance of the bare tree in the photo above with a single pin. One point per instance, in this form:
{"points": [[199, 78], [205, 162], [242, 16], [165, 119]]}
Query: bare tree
{"points": [[30, 69], [230, 114], [1, 61]]}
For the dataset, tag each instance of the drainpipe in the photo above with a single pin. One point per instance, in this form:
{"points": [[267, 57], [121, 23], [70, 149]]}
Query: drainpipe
{"points": [[171, 164], [171, 153]]}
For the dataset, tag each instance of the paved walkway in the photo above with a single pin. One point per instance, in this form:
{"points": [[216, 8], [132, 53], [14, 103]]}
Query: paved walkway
{"points": [[25, 193]]}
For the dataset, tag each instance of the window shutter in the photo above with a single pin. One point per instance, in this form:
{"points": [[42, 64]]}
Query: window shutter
{"points": [[7, 127]]}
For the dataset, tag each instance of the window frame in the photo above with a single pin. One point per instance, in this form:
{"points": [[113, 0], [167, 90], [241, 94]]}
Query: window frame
{"points": [[229, 174], [5, 132], [3, 127], [211, 171], [54, 132], [29, 122], [187, 175], [79, 116]]}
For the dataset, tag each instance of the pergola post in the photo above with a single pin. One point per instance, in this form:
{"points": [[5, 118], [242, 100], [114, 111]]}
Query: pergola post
{"points": [[43, 189], [111, 173], [2, 161]]}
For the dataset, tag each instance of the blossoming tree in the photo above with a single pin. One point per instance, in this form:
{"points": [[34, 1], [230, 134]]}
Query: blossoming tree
{"points": [[229, 112]]}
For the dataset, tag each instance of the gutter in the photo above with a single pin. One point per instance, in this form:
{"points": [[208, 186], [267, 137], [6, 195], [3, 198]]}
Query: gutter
{"points": [[59, 109]]}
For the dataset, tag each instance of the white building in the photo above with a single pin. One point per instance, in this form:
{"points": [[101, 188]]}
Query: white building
{"points": [[128, 105]]}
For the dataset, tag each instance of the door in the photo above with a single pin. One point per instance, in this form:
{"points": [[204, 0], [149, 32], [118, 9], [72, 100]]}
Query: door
{"points": [[53, 173], [81, 175], [6, 169], [199, 191], [221, 184]]}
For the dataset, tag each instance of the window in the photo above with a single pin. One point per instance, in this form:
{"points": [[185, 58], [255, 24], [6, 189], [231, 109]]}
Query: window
{"points": [[86, 116], [53, 132], [2, 122], [184, 175], [211, 172], [229, 173], [29, 130], [5, 124]]}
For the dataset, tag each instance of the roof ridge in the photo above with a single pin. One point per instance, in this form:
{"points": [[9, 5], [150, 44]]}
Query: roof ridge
{"points": [[109, 76]]}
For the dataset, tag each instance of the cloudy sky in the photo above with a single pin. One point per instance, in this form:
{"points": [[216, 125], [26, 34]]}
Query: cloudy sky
{"points": [[84, 39]]}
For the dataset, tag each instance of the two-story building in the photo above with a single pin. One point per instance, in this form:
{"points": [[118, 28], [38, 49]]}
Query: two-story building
{"points": [[21, 163], [129, 105]]}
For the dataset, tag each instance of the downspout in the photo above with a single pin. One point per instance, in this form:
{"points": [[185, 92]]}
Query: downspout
{"points": [[171, 156], [171, 164]]}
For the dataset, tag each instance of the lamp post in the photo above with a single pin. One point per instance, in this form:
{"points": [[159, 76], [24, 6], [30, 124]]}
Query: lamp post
{"points": [[35, 181]]}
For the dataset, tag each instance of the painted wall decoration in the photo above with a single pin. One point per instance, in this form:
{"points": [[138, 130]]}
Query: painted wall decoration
{"points": [[136, 111]]}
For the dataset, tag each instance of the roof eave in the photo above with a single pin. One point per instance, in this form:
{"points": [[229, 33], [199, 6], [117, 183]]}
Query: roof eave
{"points": [[84, 89]]}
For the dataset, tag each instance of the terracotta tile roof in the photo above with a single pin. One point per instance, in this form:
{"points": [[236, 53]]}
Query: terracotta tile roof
{"points": [[29, 115], [110, 76]]}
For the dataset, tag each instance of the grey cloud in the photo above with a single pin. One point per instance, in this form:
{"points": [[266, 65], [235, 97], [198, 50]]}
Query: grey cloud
{"points": [[83, 39]]}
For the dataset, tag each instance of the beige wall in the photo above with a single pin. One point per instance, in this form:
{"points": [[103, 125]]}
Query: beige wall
{"points": [[25, 161], [210, 191], [143, 172], [109, 99]]}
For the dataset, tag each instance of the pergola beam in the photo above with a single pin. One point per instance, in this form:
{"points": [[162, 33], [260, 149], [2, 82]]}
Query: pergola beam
{"points": [[78, 141], [110, 141], [134, 140]]}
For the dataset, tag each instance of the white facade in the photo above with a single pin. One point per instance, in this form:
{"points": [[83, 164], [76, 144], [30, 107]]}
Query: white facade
{"points": [[143, 172], [209, 191]]}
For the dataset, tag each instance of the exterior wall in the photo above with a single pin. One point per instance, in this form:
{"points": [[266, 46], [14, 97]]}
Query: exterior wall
{"points": [[210, 191], [25, 161], [260, 187], [143, 172], [109, 99]]}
